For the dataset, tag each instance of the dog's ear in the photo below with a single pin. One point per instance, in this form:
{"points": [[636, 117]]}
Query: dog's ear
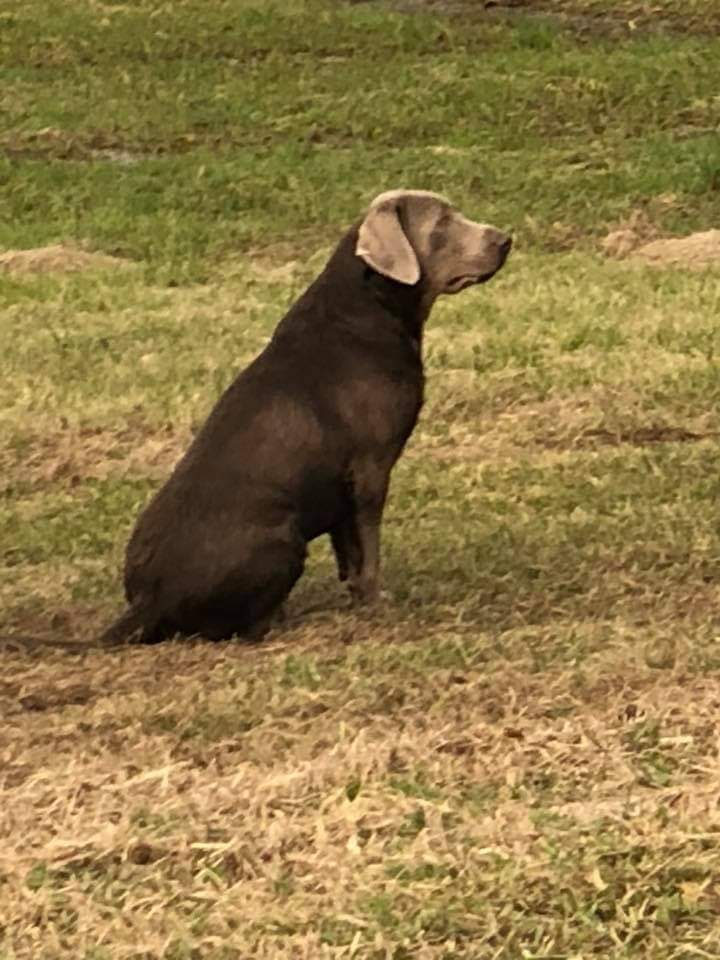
{"points": [[382, 244]]}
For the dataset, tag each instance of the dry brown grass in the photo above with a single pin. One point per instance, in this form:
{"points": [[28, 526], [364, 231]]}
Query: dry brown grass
{"points": [[207, 799]]}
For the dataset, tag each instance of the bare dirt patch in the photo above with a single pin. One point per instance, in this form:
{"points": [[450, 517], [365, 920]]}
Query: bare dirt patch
{"points": [[695, 251], [75, 454], [644, 436], [557, 427], [585, 19], [56, 258]]}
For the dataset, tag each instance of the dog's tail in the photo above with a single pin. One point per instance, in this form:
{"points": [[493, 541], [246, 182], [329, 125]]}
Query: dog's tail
{"points": [[130, 627], [133, 626]]}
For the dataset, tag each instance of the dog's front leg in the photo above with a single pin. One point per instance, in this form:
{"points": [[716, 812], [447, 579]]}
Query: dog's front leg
{"points": [[364, 582], [346, 546], [370, 485]]}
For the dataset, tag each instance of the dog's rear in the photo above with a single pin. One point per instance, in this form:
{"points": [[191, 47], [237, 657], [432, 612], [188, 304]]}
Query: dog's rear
{"points": [[303, 442]]}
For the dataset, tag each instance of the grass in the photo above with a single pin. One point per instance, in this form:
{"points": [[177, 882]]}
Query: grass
{"points": [[241, 125], [515, 755]]}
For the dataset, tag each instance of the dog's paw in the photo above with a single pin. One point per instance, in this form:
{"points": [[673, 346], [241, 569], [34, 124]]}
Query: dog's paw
{"points": [[367, 595]]}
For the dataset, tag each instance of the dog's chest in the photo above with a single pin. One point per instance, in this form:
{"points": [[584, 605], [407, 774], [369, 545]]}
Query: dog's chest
{"points": [[381, 409]]}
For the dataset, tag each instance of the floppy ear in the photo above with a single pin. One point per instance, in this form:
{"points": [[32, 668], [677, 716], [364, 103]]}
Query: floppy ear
{"points": [[382, 244]]}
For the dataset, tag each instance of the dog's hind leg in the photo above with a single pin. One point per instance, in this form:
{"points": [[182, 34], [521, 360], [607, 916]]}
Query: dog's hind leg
{"points": [[247, 610]]}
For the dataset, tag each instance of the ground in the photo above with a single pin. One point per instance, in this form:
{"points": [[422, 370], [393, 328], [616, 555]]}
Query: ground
{"points": [[516, 754]]}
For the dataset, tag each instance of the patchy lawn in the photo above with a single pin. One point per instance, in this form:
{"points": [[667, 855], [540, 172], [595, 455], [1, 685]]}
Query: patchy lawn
{"points": [[516, 755]]}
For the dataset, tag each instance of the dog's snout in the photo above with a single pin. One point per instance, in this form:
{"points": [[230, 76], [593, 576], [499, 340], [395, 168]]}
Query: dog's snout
{"points": [[504, 246], [497, 240]]}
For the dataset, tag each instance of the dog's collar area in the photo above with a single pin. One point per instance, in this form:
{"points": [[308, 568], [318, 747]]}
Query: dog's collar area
{"points": [[406, 304]]}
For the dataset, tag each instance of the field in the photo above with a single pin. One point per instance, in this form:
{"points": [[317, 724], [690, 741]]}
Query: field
{"points": [[517, 754]]}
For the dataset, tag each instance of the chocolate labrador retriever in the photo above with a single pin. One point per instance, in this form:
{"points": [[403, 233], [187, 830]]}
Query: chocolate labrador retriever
{"points": [[304, 440]]}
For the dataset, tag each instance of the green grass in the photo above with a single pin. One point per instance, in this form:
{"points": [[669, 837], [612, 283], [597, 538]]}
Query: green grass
{"points": [[514, 756], [242, 124]]}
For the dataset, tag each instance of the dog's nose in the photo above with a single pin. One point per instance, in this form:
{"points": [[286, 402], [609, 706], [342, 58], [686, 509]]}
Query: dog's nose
{"points": [[504, 247]]}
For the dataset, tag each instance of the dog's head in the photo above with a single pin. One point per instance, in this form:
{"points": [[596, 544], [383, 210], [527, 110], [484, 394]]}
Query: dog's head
{"points": [[408, 235]]}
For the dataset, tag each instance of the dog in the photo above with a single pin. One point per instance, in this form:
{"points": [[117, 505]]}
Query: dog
{"points": [[303, 442]]}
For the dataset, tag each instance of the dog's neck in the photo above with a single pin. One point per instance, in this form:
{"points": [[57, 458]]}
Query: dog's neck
{"points": [[408, 305]]}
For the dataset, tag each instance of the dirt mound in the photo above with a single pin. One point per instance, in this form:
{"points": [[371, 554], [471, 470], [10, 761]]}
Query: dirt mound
{"points": [[55, 258], [694, 251]]}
